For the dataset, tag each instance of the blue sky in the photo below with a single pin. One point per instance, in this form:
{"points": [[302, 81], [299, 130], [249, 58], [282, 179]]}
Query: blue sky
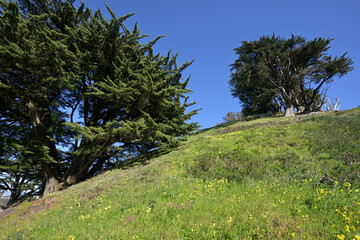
{"points": [[208, 31]]}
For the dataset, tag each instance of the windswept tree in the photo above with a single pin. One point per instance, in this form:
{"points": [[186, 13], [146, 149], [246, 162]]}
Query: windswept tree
{"points": [[274, 73], [86, 89]]}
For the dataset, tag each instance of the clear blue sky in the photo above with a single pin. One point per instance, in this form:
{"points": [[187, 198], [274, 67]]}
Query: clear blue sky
{"points": [[208, 31]]}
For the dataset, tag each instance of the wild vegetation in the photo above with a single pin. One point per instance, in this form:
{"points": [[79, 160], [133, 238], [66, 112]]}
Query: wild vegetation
{"points": [[89, 109], [265, 177]]}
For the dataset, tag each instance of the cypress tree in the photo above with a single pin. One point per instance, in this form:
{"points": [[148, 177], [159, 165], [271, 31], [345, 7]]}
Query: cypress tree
{"points": [[273, 73], [86, 92]]}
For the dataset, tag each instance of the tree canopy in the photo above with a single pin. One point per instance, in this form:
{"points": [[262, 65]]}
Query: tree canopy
{"points": [[273, 73], [81, 94]]}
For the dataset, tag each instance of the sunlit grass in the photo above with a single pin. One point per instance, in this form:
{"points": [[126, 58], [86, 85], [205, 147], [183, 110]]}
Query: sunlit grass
{"points": [[263, 179]]}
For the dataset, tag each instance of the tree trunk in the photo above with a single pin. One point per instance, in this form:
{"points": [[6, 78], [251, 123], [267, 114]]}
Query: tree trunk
{"points": [[289, 111], [2, 204], [14, 198], [301, 109], [79, 170], [81, 164], [50, 181], [50, 170], [51, 186]]}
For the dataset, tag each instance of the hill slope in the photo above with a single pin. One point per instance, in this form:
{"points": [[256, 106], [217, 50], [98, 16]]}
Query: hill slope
{"points": [[268, 178]]}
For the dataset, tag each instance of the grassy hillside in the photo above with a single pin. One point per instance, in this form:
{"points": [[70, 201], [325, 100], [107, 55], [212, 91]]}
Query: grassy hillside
{"points": [[266, 178]]}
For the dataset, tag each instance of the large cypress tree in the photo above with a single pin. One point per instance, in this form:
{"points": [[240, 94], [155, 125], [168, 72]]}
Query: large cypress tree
{"points": [[90, 94]]}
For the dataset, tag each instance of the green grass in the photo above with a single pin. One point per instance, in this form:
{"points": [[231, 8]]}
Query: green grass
{"points": [[257, 179]]}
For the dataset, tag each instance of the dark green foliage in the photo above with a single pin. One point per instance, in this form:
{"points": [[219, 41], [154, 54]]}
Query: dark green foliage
{"points": [[275, 73], [81, 94]]}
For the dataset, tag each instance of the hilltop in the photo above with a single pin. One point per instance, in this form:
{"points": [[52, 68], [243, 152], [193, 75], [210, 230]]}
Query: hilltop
{"points": [[263, 178]]}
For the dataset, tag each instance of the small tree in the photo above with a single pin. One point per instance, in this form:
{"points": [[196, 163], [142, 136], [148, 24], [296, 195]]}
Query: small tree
{"points": [[293, 69], [233, 116]]}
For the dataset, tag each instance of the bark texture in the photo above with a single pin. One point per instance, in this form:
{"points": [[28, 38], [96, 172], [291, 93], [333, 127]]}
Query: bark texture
{"points": [[289, 111], [51, 186]]}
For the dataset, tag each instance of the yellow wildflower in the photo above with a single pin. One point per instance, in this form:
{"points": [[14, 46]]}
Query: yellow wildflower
{"points": [[341, 237]]}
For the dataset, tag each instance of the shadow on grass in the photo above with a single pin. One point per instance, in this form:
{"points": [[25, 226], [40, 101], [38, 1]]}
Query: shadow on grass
{"points": [[337, 141], [144, 158]]}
